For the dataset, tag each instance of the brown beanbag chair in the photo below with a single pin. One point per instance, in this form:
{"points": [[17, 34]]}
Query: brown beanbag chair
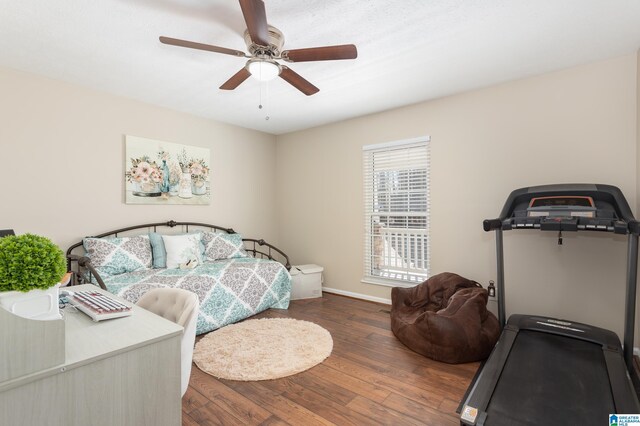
{"points": [[445, 318]]}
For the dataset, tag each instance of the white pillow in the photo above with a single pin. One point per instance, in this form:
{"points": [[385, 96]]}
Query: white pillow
{"points": [[181, 249]]}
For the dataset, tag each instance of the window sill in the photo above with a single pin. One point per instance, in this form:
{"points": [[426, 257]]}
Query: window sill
{"points": [[387, 282]]}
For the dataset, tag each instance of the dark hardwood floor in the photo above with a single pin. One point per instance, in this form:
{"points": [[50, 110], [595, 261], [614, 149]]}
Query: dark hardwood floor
{"points": [[370, 378]]}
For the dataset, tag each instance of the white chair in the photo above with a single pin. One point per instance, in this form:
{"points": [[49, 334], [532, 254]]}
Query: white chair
{"points": [[180, 306]]}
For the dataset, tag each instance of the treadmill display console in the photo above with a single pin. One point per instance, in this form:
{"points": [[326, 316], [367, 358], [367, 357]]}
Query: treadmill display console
{"points": [[564, 213], [562, 205]]}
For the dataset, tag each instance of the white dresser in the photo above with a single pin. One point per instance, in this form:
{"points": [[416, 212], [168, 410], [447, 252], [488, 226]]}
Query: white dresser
{"points": [[123, 371]]}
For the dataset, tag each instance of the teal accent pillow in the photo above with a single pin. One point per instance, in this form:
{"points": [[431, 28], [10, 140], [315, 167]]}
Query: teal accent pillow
{"points": [[157, 248], [159, 251], [114, 256], [218, 246]]}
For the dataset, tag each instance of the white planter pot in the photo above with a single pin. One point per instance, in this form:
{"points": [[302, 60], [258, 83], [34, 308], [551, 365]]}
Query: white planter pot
{"points": [[35, 304], [199, 187], [184, 191]]}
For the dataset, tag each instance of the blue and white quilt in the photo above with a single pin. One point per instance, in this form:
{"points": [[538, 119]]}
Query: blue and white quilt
{"points": [[229, 290]]}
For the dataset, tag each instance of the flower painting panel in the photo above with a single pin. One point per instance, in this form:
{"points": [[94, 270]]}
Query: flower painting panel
{"points": [[159, 172]]}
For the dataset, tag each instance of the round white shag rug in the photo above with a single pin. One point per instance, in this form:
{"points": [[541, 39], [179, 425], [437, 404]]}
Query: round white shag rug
{"points": [[262, 349]]}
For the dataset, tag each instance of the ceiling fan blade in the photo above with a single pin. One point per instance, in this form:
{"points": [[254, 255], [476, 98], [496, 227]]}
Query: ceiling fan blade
{"points": [[200, 46], [294, 79], [256, 19], [326, 53], [236, 79]]}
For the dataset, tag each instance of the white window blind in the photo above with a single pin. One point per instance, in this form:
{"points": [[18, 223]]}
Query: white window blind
{"points": [[396, 198]]}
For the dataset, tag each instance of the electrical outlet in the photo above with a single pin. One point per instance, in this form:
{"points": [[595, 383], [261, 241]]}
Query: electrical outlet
{"points": [[491, 289]]}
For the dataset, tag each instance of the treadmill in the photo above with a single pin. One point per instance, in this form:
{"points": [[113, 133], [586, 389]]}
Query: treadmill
{"points": [[549, 371]]}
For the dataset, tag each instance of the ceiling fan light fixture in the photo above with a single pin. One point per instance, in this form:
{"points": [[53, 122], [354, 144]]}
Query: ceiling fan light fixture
{"points": [[264, 44], [263, 69]]}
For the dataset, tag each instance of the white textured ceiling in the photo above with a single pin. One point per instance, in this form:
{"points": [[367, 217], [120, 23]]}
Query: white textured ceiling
{"points": [[408, 50]]}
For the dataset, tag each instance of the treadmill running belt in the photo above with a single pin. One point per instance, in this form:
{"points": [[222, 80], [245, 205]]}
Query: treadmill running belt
{"points": [[574, 388]]}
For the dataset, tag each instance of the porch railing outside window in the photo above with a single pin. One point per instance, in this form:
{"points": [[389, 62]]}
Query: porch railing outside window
{"points": [[400, 254]]}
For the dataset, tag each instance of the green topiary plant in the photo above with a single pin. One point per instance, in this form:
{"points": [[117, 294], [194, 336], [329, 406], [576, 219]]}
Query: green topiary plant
{"points": [[30, 262]]}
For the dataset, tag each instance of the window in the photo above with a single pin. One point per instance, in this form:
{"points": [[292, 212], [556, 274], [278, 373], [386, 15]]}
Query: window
{"points": [[396, 197]]}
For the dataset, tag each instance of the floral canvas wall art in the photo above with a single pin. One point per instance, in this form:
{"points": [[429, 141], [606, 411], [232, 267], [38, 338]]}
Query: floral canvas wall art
{"points": [[158, 172]]}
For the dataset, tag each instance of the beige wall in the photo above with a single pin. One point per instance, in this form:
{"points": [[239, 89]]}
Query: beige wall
{"points": [[62, 162], [577, 125]]}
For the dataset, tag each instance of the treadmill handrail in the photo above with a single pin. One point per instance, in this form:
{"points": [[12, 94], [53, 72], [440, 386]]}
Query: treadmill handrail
{"points": [[491, 224]]}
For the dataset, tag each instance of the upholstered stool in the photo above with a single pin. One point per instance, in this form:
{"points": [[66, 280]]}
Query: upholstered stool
{"points": [[180, 306], [445, 318]]}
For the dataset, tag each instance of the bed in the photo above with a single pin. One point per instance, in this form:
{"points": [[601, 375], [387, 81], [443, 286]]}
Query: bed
{"points": [[234, 277]]}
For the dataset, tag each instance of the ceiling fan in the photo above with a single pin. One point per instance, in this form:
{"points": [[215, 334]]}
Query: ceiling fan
{"points": [[264, 44]]}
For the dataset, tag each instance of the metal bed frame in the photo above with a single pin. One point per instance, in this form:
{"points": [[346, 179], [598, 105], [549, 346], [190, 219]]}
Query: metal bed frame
{"points": [[79, 263]]}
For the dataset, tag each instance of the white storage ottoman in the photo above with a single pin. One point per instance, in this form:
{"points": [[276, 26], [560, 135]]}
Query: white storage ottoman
{"points": [[306, 281]]}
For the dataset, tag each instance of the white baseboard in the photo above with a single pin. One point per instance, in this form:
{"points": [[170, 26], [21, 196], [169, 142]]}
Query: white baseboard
{"points": [[357, 295], [636, 351]]}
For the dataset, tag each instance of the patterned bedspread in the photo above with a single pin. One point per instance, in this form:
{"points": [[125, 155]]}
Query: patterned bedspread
{"points": [[229, 290]]}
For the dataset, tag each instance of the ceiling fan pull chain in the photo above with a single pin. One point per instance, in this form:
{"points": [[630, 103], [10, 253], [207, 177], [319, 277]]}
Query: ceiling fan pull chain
{"points": [[260, 105], [266, 83]]}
